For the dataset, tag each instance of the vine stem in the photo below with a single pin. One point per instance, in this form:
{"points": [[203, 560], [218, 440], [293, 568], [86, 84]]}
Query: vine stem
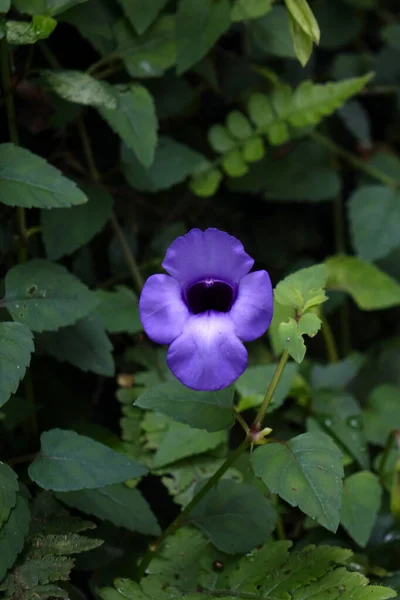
{"points": [[233, 456], [331, 348], [95, 176]]}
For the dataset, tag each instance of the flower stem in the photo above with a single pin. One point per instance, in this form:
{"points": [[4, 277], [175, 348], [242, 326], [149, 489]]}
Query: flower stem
{"points": [[180, 520], [95, 176], [330, 343], [354, 160], [270, 391]]}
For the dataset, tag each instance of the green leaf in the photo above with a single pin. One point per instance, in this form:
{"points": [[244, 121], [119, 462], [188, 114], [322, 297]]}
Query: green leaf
{"points": [[234, 164], [66, 230], [212, 411], [271, 33], [63, 544], [119, 310], [252, 385], [391, 35], [206, 184], [382, 413], [95, 21], [303, 289], [336, 375], [151, 54], [302, 42], [306, 472], [374, 214], [220, 139], [8, 492], [5, 5], [16, 347], [29, 181], [50, 7], [361, 500], [12, 535], [68, 462], [242, 10], [173, 163], [140, 13], [253, 149], [238, 125], [23, 32], [291, 334], [44, 296], [235, 516], [370, 288], [84, 345], [79, 87], [122, 506], [135, 121], [303, 16], [199, 24]]}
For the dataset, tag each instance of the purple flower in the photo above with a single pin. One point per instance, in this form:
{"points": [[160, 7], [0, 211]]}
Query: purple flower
{"points": [[206, 307]]}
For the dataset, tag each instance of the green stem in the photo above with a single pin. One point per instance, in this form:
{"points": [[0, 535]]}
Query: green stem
{"points": [[240, 420], [103, 61], [354, 160], [270, 391], [331, 348], [394, 435], [95, 176], [180, 520]]}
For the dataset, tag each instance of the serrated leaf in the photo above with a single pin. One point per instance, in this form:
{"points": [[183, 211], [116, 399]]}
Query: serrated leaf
{"points": [[199, 24], [382, 413], [141, 13], [23, 32], [62, 544], [84, 345], [68, 462], [151, 54], [242, 10], [119, 310], [135, 121], [44, 296], [374, 214], [235, 516], [302, 42], [173, 162], [79, 87], [12, 535], [122, 506], [361, 500], [303, 289], [49, 517], [16, 347], [66, 230], [8, 492], [306, 472], [212, 411], [29, 181], [303, 16], [252, 386], [291, 340], [51, 7], [370, 288], [207, 183], [40, 571]]}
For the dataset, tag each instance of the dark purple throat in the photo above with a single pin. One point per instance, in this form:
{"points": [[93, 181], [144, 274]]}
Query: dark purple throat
{"points": [[210, 294]]}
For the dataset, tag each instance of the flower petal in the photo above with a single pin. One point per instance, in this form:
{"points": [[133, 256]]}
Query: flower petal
{"points": [[254, 306], [162, 310], [210, 253], [208, 355]]}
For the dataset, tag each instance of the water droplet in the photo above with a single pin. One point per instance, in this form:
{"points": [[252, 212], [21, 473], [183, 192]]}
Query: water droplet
{"points": [[328, 422], [17, 306], [354, 422], [17, 366], [288, 339]]}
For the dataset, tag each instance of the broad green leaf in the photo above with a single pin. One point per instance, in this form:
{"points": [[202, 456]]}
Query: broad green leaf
{"points": [[303, 16], [28, 180], [79, 87], [382, 413], [271, 33], [212, 411], [45, 297], [66, 230], [391, 35], [306, 472], [43, 7], [374, 214], [16, 347], [140, 13], [119, 310], [220, 139], [303, 289], [68, 462], [243, 10], [302, 42], [12, 535], [119, 504], [84, 344], [336, 375], [24, 32], [173, 163], [361, 500], [253, 384], [236, 517], [95, 21], [135, 121], [339, 414], [205, 184], [370, 288], [8, 492], [334, 17], [199, 24], [151, 54], [4, 5]]}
